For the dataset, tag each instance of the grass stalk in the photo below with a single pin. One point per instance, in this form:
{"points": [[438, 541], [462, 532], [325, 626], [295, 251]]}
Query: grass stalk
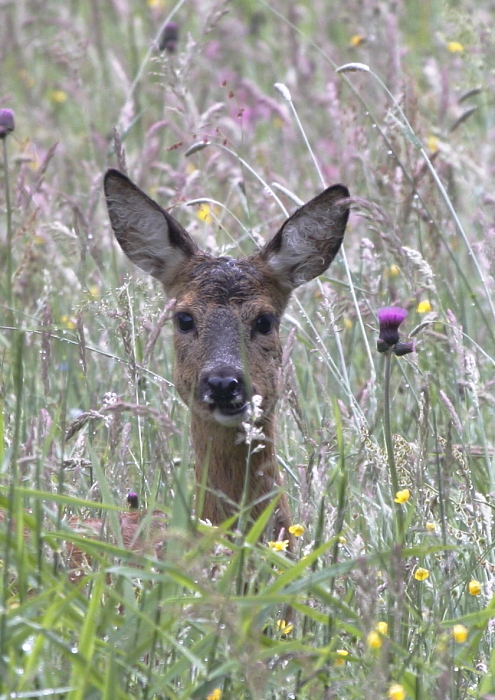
{"points": [[9, 296], [399, 516]]}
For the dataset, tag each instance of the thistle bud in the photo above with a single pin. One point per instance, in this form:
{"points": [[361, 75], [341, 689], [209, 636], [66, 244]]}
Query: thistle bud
{"points": [[132, 500], [6, 122], [169, 37]]}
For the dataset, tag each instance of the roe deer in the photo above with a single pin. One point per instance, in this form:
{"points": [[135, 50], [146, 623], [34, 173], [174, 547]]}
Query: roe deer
{"points": [[226, 336], [141, 532]]}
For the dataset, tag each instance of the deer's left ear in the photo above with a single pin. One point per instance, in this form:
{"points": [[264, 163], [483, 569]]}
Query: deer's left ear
{"points": [[310, 239]]}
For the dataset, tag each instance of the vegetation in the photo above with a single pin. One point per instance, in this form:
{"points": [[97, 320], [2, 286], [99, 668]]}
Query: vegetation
{"points": [[392, 586]]}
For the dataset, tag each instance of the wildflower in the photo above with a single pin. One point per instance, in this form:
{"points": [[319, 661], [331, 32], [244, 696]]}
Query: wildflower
{"points": [[474, 587], [421, 574], [169, 37], [279, 545], [284, 627], [390, 319], [357, 40], [340, 660], [58, 96], [432, 143], [430, 527], [382, 628], [347, 323], [460, 633], [396, 692], [455, 47], [342, 540], [68, 323], [393, 270], [296, 530], [423, 307], [215, 694], [7, 124], [132, 500], [402, 496], [374, 640], [204, 213]]}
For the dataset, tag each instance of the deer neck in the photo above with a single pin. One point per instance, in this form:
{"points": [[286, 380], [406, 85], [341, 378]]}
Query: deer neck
{"points": [[227, 464]]}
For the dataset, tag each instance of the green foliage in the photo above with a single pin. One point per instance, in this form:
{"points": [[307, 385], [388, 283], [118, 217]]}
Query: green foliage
{"points": [[89, 410]]}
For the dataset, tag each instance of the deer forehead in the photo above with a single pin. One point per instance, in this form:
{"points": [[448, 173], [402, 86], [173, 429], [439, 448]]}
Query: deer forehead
{"points": [[242, 285]]}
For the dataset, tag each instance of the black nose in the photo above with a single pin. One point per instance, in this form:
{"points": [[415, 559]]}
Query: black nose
{"points": [[223, 389]]}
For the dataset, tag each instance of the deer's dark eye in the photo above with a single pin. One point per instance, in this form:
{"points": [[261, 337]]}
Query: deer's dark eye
{"points": [[264, 324], [184, 322]]}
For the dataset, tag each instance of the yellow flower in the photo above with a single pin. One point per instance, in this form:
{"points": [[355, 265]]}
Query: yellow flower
{"points": [[347, 323], [58, 96], [460, 633], [396, 692], [430, 527], [357, 40], [374, 640], [159, 5], [382, 628], [394, 270], [296, 530], [279, 545], [474, 587], [204, 213], [94, 290], [284, 627], [421, 574], [68, 323], [455, 47], [432, 143], [214, 695], [423, 307], [340, 660], [342, 540], [402, 496]]}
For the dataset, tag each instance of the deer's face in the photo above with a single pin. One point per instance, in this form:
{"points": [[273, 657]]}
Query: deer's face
{"points": [[227, 312], [226, 338]]}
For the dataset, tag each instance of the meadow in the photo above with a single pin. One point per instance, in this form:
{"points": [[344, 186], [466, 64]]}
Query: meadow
{"points": [[234, 116]]}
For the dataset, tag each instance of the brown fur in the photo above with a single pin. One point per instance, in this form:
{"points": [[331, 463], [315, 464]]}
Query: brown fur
{"points": [[227, 346], [140, 533]]}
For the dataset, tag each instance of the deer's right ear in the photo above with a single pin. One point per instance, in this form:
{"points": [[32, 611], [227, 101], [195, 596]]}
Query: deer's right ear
{"points": [[152, 239]]}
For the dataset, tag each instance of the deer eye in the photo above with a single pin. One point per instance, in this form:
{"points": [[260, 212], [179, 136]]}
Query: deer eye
{"points": [[184, 322], [264, 324]]}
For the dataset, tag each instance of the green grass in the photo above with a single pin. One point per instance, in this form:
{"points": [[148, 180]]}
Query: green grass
{"points": [[79, 328]]}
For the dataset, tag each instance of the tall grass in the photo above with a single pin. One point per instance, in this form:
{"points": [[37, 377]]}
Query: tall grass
{"points": [[89, 410]]}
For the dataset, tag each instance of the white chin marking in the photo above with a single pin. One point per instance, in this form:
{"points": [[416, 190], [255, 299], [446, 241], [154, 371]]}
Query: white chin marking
{"points": [[230, 421]]}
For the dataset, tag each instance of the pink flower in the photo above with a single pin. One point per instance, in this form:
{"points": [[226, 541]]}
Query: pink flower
{"points": [[390, 319]]}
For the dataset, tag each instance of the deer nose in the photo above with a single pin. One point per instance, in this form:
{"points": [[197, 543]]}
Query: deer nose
{"points": [[223, 389]]}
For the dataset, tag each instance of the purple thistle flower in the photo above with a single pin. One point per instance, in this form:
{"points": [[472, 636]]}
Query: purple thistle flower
{"points": [[6, 122], [132, 500], [169, 37], [390, 319]]}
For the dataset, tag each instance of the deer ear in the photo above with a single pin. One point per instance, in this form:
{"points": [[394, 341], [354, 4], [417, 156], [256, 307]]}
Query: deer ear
{"points": [[150, 237], [310, 239]]}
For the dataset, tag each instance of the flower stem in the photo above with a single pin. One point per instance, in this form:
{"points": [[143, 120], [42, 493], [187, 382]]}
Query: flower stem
{"points": [[8, 207], [390, 450]]}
